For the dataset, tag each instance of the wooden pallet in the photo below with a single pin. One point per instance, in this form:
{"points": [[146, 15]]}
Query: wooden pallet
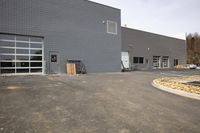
{"points": [[71, 69]]}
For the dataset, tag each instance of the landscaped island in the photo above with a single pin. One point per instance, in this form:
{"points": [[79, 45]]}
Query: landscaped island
{"points": [[190, 84]]}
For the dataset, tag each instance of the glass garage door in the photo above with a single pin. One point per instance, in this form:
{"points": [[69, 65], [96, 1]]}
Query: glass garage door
{"points": [[165, 61], [21, 54], [156, 62]]}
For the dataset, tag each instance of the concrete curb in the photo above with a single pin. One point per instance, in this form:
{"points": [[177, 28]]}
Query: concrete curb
{"points": [[177, 92]]}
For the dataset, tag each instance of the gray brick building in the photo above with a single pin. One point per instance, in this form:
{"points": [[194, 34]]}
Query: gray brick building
{"points": [[152, 51], [39, 36]]}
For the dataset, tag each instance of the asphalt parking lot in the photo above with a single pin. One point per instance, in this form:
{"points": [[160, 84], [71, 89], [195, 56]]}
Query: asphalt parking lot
{"points": [[95, 103]]}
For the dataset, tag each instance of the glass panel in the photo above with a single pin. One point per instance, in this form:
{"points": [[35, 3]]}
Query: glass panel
{"points": [[22, 51], [26, 45], [165, 60], [22, 38], [22, 57], [7, 71], [22, 70], [175, 62], [141, 60], [36, 51], [36, 58], [22, 64], [7, 57], [7, 44], [7, 64], [7, 50], [33, 45], [36, 64], [36, 70], [135, 60], [112, 27], [36, 39]]}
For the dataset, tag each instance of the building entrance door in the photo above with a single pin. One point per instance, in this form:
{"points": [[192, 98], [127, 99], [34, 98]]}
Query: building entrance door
{"points": [[54, 62], [156, 62], [165, 62]]}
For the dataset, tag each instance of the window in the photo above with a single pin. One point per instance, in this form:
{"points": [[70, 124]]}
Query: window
{"points": [[53, 58], [175, 62], [112, 27], [138, 60], [165, 61], [156, 62]]}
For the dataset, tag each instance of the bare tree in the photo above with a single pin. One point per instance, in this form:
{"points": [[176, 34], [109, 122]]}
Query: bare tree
{"points": [[193, 48]]}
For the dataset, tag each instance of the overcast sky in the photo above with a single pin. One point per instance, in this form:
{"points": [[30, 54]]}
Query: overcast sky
{"points": [[167, 17]]}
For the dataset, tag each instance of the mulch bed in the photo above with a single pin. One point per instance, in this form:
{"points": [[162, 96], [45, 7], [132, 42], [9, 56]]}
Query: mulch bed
{"points": [[181, 83]]}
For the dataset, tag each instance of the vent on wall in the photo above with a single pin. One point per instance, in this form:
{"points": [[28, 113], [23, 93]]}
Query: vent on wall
{"points": [[112, 27]]}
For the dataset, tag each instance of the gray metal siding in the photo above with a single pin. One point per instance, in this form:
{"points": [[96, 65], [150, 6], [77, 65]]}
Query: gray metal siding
{"points": [[158, 46], [74, 28]]}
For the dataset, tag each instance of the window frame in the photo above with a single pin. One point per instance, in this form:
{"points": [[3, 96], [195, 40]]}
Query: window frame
{"points": [[138, 60], [19, 63], [116, 26]]}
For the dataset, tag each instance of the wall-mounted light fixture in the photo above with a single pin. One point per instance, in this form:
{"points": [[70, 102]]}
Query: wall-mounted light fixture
{"points": [[103, 21]]}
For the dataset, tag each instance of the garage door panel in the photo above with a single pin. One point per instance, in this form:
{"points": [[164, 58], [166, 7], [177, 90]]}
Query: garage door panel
{"points": [[4, 50], [36, 70], [7, 71], [23, 45], [22, 51], [21, 54], [36, 51]]}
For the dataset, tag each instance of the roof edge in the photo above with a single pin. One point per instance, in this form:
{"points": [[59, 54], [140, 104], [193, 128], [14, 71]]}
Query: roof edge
{"points": [[103, 5], [153, 33]]}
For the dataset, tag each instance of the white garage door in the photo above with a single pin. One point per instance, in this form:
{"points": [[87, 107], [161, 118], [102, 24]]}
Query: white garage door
{"points": [[21, 54], [156, 62], [165, 61]]}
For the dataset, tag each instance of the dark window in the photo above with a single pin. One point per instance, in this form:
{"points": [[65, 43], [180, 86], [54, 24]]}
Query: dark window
{"points": [[36, 51], [7, 71], [36, 58], [175, 62], [141, 60], [7, 64], [135, 60], [22, 64], [22, 70], [138, 60], [53, 58], [36, 64], [36, 70]]}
